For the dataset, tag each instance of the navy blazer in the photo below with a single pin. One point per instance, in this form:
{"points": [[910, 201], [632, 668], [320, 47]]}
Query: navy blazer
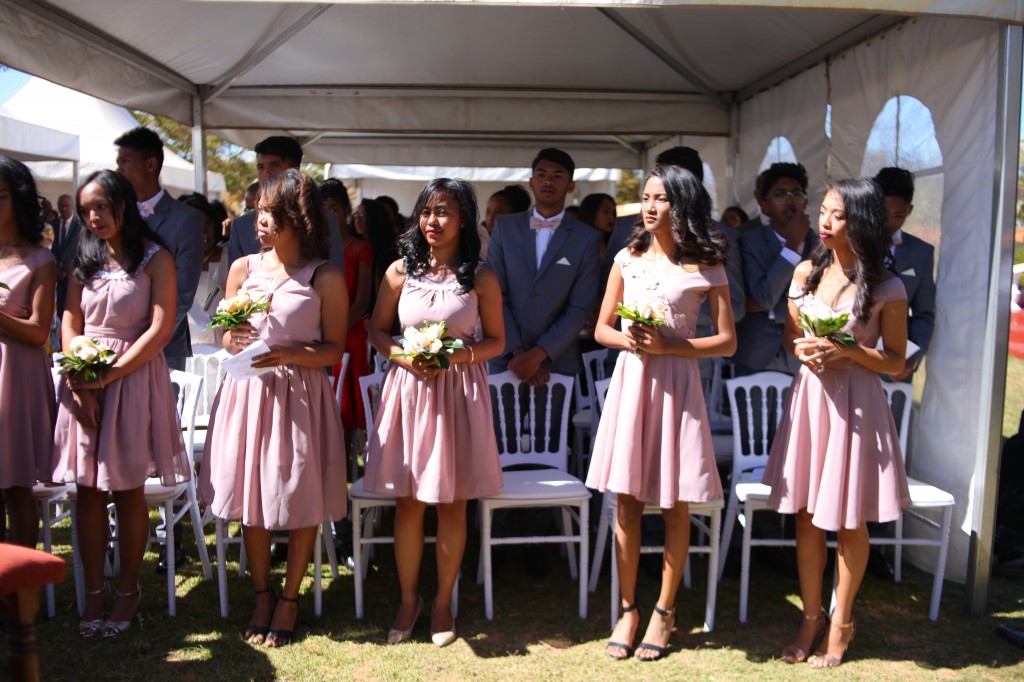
{"points": [[549, 305], [767, 276], [243, 240], [181, 228], [914, 262], [64, 250]]}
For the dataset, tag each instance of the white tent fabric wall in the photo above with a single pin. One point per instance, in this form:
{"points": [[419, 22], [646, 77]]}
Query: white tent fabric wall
{"points": [[97, 124], [30, 142], [951, 66]]}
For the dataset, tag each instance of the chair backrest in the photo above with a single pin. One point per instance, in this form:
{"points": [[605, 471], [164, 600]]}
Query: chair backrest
{"points": [[339, 383], [756, 402], [601, 393], [208, 366], [369, 389], [378, 361], [188, 389], [56, 376], [901, 399], [595, 366], [713, 383], [531, 422]]}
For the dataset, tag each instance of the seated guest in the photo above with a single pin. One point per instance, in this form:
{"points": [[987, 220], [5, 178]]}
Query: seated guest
{"points": [[734, 217], [770, 255], [914, 262]]}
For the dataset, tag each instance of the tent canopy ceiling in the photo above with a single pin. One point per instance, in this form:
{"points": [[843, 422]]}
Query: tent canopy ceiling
{"points": [[365, 83]]}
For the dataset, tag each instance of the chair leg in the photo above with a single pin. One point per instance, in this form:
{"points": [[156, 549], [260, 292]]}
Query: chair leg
{"points": [[77, 562], [712, 597], [485, 553], [357, 555], [44, 514], [745, 560], [730, 521], [568, 546], [318, 577], [897, 561], [197, 530], [599, 544], [328, 537], [940, 563], [615, 584], [584, 558], [221, 533], [169, 539]]}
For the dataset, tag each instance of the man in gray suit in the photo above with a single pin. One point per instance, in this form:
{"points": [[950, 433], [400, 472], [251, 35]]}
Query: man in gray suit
{"points": [[914, 262], [548, 265], [140, 156], [689, 159], [275, 155], [64, 246], [770, 254]]}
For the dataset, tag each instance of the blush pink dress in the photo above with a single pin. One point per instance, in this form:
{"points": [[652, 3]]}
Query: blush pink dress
{"points": [[434, 440], [275, 452], [27, 404], [836, 450], [139, 434], [654, 440]]}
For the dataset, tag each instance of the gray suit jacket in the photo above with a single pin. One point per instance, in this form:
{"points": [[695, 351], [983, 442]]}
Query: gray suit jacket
{"points": [[181, 228], [914, 263], [64, 249], [243, 240], [733, 266], [767, 276], [546, 306]]}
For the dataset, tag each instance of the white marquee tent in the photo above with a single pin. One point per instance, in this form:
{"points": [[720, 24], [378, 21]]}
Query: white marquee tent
{"points": [[486, 83], [96, 124], [30, 142]]}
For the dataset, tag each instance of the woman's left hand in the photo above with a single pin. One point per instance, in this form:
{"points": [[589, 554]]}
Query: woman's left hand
{"points": [[277, 357], [647, 338], [77, 383], [817, 352]]}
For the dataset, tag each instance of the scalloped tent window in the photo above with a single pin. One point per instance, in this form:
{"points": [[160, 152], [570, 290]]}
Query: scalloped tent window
{"points": [[780, 150]]}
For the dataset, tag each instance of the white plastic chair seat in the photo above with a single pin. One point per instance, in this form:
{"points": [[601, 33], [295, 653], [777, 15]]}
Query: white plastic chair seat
{"points": [[546, 484], [359, 491], [581, 418], [156, 491], [925, 495], [754, 492]]}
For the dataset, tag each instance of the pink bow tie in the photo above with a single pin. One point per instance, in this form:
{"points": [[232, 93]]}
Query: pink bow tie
{"points": [[897, 240], [145, 209], [544, 224]]}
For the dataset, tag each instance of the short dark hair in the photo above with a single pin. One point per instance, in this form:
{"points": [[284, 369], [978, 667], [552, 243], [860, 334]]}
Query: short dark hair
{"points": [[683, 157], [896, 182], [777, 171], [288, 148], [556, 156], [145, 141], [518, 198], [334, 189]]}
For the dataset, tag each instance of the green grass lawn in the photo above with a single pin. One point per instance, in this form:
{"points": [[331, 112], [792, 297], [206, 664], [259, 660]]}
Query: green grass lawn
{"points": [[536, 634]]}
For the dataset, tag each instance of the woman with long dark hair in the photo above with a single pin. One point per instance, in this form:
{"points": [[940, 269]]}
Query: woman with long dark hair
{"points": [[117, 430], [653, 445], [835, 461], [371, 222], [29, 275], [275, 456], [433, 439]]}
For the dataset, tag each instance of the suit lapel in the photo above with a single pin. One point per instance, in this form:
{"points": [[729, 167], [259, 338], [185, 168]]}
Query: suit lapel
{"points": [[160, 212], [528, 240]]}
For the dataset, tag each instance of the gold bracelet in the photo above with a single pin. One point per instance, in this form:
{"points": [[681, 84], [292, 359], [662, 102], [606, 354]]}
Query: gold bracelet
{"points": [[472, 357]]}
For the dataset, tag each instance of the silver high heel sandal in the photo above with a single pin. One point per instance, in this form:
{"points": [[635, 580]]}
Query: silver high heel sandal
{"points": [[112, 628]]}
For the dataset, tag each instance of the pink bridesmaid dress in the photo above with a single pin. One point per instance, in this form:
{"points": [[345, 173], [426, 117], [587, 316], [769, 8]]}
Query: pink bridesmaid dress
{"points": [[654, 440], [836, 451], [139, 434], [434, 440], [27, 405], [275, 452]]}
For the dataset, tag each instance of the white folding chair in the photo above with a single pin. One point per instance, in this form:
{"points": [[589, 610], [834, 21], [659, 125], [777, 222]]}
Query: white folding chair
{"points": [[756, 402], [366, 506], [208, 366], [922, 496], [53, 508], [536, 438], [585, 415]]}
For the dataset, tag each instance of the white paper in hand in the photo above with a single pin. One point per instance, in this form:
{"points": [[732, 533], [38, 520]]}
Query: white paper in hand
{"points": [[240, 366]]}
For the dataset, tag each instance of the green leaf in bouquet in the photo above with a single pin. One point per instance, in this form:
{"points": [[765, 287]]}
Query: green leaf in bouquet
{"points": [[4, 286], [442, 361]]}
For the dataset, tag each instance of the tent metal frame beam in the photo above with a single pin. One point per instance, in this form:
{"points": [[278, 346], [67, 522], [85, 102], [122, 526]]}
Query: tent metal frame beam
{"points": [[102, 43], [854, 36], [445, 91], [671, 62], [995, 342], [255, 58]]}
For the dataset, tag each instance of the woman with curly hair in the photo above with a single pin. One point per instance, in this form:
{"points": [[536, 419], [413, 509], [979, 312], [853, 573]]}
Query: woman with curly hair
{"points": [[433, 439], [653, 445], [275, 456]]}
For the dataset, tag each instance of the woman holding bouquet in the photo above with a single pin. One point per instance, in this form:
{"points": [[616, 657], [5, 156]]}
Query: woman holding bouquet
{"points": [[653, 445], [433, 442], [29, 274], [121, 427], [275, 456], [835, 461]]}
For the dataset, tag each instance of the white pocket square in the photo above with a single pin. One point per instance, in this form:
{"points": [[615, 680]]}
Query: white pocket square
{"points": [[909, 272], [562, 261]]}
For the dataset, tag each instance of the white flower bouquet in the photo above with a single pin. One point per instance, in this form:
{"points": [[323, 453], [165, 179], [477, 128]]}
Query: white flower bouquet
{"points": [[85, 357], [430, 342], [651, 313], [235, 311], [826, 325]]}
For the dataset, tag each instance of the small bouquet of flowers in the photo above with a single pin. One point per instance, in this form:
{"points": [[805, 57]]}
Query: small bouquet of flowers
{"points": [[233, 312], [430, 342], [85, 357], [828, 326], [650, 313]]}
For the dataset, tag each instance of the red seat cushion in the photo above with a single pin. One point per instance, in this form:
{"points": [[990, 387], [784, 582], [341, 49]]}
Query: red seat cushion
{"points": [[22, 568]]}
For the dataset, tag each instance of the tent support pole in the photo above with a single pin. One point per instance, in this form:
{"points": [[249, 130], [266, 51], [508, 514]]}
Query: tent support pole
{"points": [[997, 320], [199, 144]]}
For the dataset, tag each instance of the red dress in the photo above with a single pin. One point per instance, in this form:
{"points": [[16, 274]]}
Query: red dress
{"points": [[357, 253]]}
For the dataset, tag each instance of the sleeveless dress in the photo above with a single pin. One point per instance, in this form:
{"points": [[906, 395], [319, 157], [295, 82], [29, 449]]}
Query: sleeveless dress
{"points": [[27, 405], [434, 440], [654, 440], [275, 451], [139, 434], [836, 450]]}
